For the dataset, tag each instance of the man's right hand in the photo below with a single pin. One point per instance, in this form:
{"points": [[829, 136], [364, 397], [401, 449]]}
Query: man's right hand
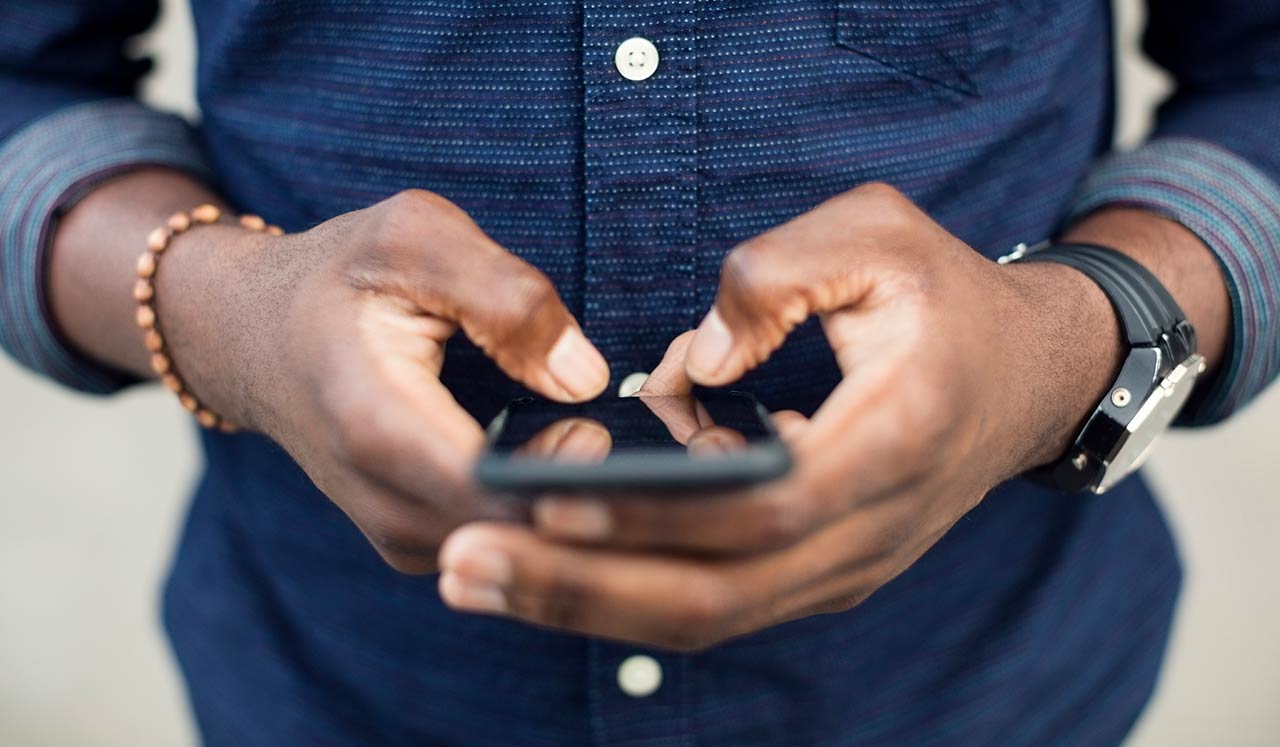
{"points": [[331, 342]]}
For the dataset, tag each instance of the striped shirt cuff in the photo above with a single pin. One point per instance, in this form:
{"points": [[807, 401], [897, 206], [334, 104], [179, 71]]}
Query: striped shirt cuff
{"points": [[46, 167], [1235, 209]]}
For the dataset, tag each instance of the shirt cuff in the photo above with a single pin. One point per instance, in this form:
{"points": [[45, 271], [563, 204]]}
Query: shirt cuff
{"points": [[1235, 209], [44, 168]]}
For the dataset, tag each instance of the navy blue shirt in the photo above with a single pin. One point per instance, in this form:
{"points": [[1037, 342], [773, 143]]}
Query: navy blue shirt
{"points": [[1039, 618]]}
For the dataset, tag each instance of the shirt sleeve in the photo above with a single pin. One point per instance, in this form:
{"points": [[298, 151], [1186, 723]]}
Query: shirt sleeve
{"points": [[69, 121], [1213, 165]]}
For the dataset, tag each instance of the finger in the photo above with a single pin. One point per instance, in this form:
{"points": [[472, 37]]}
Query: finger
{"points": [[669, 377], [716, 440], [789, 424], [570, 439], [503, 304], [738, 521], [832, 257], [658, 600], [390, 415], [682, 414], [655, 600], [866, 441]]}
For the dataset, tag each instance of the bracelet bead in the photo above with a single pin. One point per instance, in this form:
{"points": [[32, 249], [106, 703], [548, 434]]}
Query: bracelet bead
{"points": [[146, 317], [179, 222], [147, 266], [161, 364], [144, 292], [206, 214], [158, 240]]}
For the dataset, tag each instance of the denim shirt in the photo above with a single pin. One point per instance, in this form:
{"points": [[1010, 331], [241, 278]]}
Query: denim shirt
{"points": [[1040, 618]]}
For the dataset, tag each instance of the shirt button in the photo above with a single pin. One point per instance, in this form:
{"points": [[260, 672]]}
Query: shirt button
{"points": [[632, 383], [636, 58], [639, 676]]}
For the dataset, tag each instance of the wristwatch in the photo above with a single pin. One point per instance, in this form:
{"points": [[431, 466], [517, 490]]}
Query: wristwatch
{"points": [[1154, 383]]}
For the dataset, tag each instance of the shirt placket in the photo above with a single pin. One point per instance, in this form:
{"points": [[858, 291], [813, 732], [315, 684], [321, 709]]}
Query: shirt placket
{"points": [[640, 136], [641, 208]]}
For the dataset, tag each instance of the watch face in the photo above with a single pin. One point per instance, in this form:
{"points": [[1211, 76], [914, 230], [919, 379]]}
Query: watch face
{"points": [[1164, 404]]}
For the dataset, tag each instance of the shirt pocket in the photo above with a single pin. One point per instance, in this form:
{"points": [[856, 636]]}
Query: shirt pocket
{"points": [[956, 44]]}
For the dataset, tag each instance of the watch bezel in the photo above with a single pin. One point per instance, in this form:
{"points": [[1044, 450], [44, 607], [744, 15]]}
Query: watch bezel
{"points": [[1180, 381]]}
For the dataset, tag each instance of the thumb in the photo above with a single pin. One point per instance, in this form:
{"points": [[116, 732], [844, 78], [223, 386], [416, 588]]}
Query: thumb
{"points": [[513, 313], [764, 293]]}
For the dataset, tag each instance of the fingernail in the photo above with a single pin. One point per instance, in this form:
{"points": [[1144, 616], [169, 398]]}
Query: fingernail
{"points": [[466, 554], [471, 595], [573, 519], [577, 366], [710, 348], [583, 442]]}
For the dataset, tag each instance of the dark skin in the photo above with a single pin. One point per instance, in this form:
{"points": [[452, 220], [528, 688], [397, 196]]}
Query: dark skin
{"points": [[958, 374]]}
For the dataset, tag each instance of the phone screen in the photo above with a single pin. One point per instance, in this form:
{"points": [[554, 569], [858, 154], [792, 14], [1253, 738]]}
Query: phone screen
{"points": [[709, 439]]}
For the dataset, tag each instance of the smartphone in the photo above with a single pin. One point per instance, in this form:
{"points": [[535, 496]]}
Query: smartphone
{"points": [[640, 443]]}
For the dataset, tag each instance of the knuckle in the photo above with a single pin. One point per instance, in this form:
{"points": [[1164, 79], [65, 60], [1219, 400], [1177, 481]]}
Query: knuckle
{"points": [[407, 564], [881, 195], [782, 520], [748, 266], [704, 612], [879, 192], [529, 307], [529, 290], [701, 618], [568, 595], [397, 221], [884, 203], [401, 545], [418, 202]]}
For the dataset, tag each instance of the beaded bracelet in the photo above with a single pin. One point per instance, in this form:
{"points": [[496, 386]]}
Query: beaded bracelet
{"points": [[144, 292]]}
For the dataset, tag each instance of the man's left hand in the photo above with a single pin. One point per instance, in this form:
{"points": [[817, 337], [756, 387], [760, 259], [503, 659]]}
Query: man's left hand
{"points": [[958, 374]]}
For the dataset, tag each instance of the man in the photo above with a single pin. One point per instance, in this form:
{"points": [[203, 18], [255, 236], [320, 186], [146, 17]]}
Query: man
{"points": [[574, 187]]}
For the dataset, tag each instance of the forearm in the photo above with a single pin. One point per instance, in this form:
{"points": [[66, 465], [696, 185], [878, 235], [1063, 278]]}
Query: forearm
{"points": [[1180, 260], [92, 259]]}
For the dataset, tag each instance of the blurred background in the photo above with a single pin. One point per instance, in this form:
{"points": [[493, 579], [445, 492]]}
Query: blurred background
{"points": [[92, 492]]}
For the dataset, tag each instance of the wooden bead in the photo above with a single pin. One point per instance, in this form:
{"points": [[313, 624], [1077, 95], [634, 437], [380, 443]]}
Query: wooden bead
{"points": [[275, 230], [147, 266], [161, 364], [145, 317], [206, 214], [179, 222], [143, 291], [158, 240]]}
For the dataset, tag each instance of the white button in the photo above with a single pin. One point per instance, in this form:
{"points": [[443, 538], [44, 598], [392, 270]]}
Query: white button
{"points": [[636, 58], [632, 383], [639, 676]]}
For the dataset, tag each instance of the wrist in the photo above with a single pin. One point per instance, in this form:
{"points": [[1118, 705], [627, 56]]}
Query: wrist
{"points": [[210, 316], [1066, 348], [90, 265]]}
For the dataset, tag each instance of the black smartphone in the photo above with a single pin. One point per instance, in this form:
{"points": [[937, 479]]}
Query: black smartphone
{"points": [[640, 443]]}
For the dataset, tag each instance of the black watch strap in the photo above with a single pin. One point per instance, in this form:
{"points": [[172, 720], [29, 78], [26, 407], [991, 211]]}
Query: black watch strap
{"points": [[1149, 317]]}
